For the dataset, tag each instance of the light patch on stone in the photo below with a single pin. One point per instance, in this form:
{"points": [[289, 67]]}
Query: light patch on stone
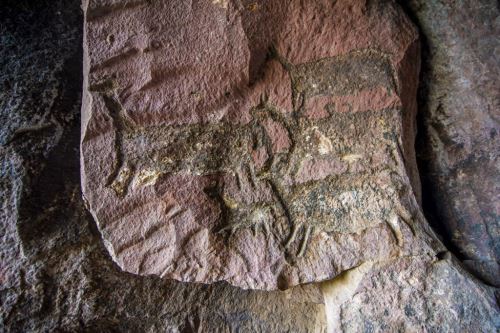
{"points": [[396, 229], [258, 216], [230, 202], [221, 3], [339, 290], [146, 178], [352, 157], [324, 144], [120, 183], [166, 161], [348, 198]]}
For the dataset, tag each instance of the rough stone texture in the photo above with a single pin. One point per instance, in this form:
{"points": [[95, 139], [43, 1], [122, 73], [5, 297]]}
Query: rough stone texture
{"points": [[460, 128], [56, 276], [217, 147], [410, 294]]}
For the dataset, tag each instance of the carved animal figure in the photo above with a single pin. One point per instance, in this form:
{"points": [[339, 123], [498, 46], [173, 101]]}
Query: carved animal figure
{"points": [[288, 169]]}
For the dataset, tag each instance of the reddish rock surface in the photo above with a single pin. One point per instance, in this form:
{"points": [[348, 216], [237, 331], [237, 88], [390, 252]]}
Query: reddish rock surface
{"points": [[215, 146]]}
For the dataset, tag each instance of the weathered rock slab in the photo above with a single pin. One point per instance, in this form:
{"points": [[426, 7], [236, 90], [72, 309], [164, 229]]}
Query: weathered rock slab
{"points": [[216, 146]]}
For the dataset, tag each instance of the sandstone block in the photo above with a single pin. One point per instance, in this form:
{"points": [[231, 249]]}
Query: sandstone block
{"points": [[267, 144]]}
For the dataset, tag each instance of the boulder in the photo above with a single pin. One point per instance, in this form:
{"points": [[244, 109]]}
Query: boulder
{"points": [[267, 144]]}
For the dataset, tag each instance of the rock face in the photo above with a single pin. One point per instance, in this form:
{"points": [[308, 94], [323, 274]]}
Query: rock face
{"points": [[56, 275], [410, 294], [460, 128], [217, 147]]}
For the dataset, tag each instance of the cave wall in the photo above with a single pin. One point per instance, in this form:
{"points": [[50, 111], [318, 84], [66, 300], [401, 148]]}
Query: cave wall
{"points": [[56, 274]]}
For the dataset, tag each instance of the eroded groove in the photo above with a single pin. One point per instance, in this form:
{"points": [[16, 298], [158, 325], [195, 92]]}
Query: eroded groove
{"points": [[101, 12], [114, 109], [116, 59]]}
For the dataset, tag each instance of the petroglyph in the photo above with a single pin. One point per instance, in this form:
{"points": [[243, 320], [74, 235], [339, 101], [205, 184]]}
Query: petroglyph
{"points": [[281, 135], [305, 165]]}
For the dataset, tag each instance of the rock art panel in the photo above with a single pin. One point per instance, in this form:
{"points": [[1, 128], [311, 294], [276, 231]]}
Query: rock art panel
{"points": [[263, 144]]}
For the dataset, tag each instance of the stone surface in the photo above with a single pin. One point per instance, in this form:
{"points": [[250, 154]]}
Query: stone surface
{"points": [[409, 294], [216, 147], [460, 142], [56, 275]]}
